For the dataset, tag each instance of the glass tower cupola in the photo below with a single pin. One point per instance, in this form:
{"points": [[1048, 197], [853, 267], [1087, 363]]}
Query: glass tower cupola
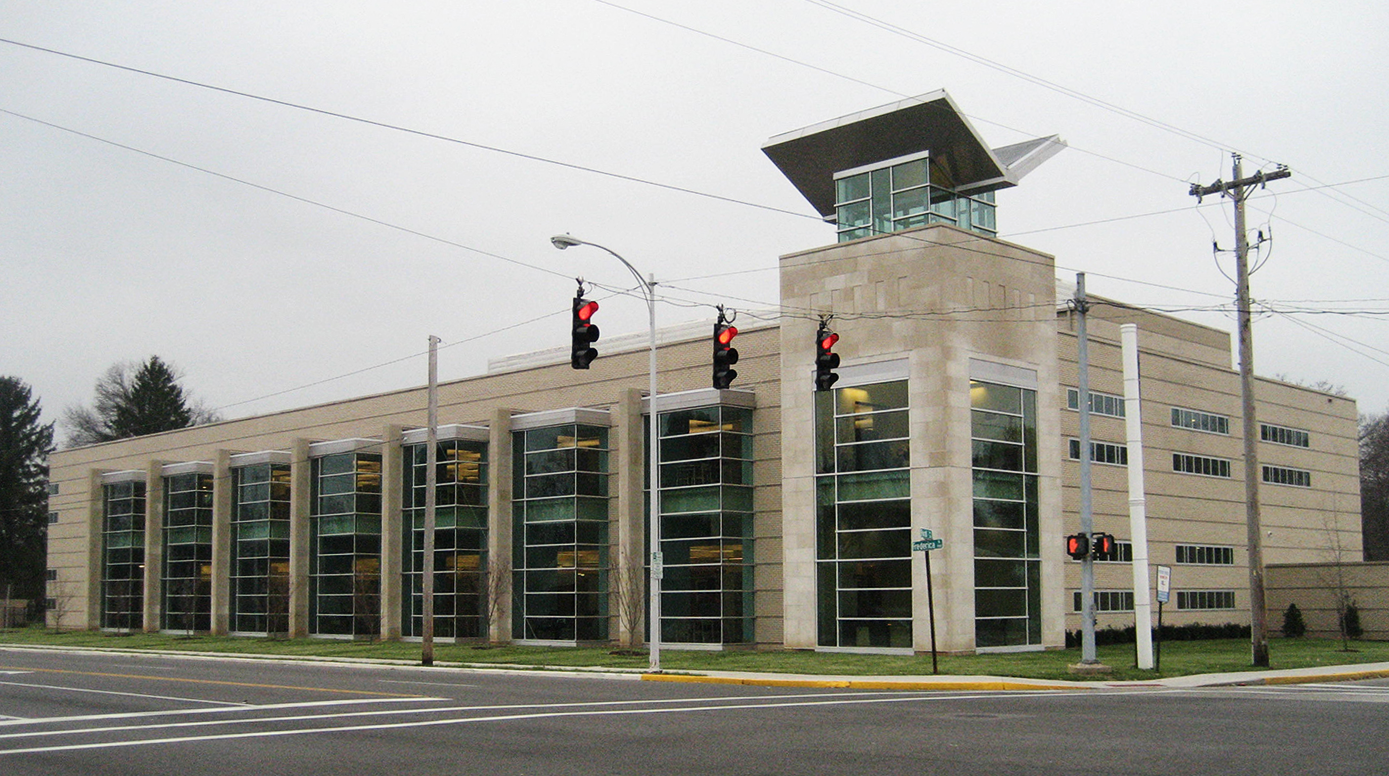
{"points": [[908, 164]]}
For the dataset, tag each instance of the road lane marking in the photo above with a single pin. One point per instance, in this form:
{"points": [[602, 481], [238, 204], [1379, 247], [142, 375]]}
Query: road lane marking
{"points": [[552, 714], [431, 684], [216, 682], [219, 710], [126, 694]]}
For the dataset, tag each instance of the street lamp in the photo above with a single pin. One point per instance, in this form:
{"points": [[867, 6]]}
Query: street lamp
{"points": [[653, 527]]}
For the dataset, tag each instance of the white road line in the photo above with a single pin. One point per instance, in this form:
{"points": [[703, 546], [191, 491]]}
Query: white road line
{"points": [[126, 694], [431, 684], [834, 701], [218, 710]]}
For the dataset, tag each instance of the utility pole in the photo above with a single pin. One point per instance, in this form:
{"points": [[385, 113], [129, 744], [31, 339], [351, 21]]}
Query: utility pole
{"points": [[431, 479], [1238, 191], [1087, 517]]}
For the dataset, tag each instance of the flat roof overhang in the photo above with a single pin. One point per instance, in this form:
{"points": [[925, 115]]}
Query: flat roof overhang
{"points": [[931, 122]]}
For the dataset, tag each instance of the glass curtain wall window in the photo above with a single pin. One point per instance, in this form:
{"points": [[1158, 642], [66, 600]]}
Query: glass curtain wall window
{"points": [[345, 545], [260, 549], [560, 534], [863, 517], [1007, 556], [123, 555], [186, 581], [460, 540], [907, 193], [706, 526]]}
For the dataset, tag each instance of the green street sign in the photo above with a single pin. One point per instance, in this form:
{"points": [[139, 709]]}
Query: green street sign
{"points": [[926, 545], [926, 533]]}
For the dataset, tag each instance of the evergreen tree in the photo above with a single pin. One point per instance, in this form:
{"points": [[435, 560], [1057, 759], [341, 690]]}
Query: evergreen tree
{"points": [[1374, 485], [135, 401], [24, 446]]}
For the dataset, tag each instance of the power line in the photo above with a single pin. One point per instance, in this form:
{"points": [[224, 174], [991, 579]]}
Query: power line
{"points": [[408, 130]]}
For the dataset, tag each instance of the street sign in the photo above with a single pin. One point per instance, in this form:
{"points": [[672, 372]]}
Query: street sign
{"points": [[926, 545], [1164, 584], [926, 533], [658, 565]]}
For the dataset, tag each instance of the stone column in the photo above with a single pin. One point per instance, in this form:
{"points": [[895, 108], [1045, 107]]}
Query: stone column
{"points": [[499, 534], [627, 570], [222, 486], [392, 483], [299, 537], [154, 545]]}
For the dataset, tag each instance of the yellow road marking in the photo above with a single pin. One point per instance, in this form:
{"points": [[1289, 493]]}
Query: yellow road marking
{"points": [[209, 681]]}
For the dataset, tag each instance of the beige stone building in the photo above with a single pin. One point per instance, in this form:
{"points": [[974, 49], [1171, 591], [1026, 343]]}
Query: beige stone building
{"points": [[787, 513]]}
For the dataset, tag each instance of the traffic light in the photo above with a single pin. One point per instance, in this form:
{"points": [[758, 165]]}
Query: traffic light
{"points": [[1102, 545], [826, 360], [725, 355], [584, 333], [1078, 546]]}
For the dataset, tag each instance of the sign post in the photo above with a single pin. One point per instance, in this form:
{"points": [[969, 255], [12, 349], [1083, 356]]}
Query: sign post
{"points": [[924, 546], [1164, 593]]}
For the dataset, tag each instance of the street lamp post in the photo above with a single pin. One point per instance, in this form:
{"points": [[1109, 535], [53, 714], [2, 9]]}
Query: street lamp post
{"points": [[653, 529]]}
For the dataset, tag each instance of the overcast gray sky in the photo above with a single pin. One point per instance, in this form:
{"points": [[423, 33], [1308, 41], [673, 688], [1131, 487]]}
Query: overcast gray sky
{"points": [[308, 246]]}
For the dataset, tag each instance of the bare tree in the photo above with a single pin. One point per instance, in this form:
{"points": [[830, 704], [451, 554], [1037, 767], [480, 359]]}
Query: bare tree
{"points": [[61, 602], [629, 592], [1335, 578], [498, 589]]}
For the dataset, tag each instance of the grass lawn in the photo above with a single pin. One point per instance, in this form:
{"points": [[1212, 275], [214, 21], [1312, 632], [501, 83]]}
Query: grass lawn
{"points": [[1179, 658]]}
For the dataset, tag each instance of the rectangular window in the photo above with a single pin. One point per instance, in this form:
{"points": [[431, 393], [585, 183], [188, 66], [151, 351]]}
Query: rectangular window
{"points": [[706, 526], [52, 575], [345, 545], [1282, 435], [1100, 403], [1196, 420], [1007, 555], [1205, 555], [560, 533], [461, 565], [905, 193], [52, 518], [1200, 464], [863, 516], [1205, 600], [1282, 475], [1106, 601], [123, 555], [52, 488], [260, 523], [186, 581], [1102, 452]]}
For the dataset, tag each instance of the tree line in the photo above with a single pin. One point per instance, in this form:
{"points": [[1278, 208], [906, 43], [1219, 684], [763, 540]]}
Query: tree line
{"points": [[131, 399]]}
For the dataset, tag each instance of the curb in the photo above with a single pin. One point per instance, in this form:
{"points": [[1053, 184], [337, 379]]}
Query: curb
{"points": [[859, 684], [1346, 676]]}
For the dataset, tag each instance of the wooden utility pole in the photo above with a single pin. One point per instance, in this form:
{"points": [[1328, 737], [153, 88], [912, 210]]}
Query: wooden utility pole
{"points": [[1238, 191]]}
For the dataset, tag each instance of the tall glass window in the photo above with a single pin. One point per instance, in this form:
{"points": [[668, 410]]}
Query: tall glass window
{"points": [[345, 545], [460, 540], [907, 194], [706, 525], [187, 573], [260, 549], [560, 535], [1007, 557], [863, 516], [123, 555]]}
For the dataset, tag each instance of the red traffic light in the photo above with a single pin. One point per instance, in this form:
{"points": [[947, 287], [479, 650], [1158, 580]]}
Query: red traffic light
{"points": [[586, 311], [727, 334], [1078, 546], [827, 340]]}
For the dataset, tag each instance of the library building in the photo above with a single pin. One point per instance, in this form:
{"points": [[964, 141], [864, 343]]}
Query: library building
{"points": [[787, 503]]}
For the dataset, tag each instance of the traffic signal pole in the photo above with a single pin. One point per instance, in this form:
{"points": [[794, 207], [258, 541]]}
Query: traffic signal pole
{"points": [[1087, 517], [1238, 191]]}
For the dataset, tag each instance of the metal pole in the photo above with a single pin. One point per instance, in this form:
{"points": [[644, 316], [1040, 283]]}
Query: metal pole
{"points": [[1138, 504], [431, 477], [931, 611], [654, 521], [1087, 519]]}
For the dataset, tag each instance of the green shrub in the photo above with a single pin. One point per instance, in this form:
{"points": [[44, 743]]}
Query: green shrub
{"points": [[1350, 622], [1293, 624], [1196, 631]]}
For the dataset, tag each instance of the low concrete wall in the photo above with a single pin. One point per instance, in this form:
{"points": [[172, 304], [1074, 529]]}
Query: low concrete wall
{"points": [[1314, 586]]}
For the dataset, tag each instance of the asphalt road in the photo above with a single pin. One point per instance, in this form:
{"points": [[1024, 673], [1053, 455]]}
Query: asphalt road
{"points": [[113, 714]]}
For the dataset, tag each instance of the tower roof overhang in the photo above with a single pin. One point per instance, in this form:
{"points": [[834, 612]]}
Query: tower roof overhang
{"points": [[931, 122]]}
